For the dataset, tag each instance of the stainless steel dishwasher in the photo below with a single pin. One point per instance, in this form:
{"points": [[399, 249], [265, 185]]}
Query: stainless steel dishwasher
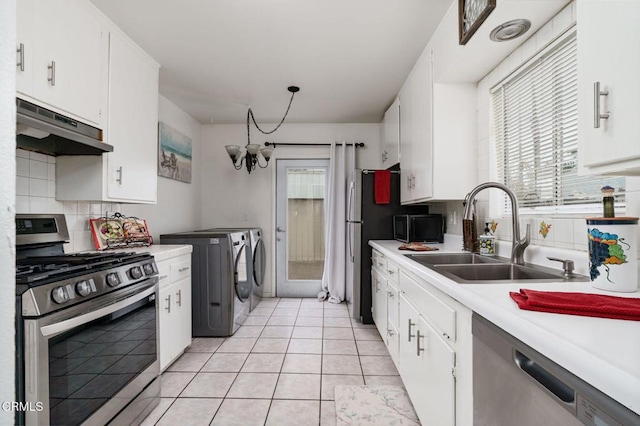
{"points": [[515, 385]]}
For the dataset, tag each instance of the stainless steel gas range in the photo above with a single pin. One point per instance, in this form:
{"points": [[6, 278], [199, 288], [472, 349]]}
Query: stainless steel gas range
{"points": [[86, 330]]}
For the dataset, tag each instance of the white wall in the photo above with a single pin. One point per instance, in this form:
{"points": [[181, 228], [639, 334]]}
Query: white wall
{"points": [[567, 232], [233, 198], [7, 202], [178, 206]]}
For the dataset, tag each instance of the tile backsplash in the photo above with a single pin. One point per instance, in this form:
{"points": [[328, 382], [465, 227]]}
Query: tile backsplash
{"points": [[36, 193]]}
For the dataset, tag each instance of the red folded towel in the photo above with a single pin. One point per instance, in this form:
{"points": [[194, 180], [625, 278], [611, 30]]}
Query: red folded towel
{"points": [[589, 305], [382, 186]]}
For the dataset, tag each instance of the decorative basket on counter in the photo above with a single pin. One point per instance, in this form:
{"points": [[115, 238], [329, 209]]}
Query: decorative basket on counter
{"points": [[118, 231], [613, 253]]}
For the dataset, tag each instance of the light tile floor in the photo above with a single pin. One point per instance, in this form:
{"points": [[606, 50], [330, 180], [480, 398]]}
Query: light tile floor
{"points": [[279, 368]]}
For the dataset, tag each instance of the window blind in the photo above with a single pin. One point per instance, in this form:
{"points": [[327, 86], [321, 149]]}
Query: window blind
{"points": [[535, 113]]}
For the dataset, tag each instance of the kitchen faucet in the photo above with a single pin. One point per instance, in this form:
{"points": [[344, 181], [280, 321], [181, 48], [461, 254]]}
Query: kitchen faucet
{"points": [[518, 245]]}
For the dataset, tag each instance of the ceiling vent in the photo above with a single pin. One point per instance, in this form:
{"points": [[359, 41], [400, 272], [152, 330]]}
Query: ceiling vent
{"points": [[510, 30]]}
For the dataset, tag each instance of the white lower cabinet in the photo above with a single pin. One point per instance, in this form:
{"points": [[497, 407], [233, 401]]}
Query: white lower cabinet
{"points": [[427, 366], [174, 308], [428, 336], [384, 298], [379, 301], [391, 338]]}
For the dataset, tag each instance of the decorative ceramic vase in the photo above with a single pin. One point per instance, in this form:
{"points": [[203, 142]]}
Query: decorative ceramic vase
{"points": [[613, 253]]}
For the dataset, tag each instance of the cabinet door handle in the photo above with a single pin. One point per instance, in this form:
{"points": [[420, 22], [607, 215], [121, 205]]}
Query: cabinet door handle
{"points": [[179, 299], [390, 333], [597, 116], [119, 172], [390, 293], [391, 271], [409, 335], [168, 307], [52, 73], [20, 52], [418, 348]]}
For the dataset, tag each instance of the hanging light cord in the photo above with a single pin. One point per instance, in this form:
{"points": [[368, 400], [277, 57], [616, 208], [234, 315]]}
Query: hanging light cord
{"points": [[250, 115]]}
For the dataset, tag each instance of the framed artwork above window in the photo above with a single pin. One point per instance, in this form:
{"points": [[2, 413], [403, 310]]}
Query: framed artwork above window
{"points": [[471, 14]]}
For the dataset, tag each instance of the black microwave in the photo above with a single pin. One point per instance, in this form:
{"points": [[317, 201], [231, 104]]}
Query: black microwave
{"points": [[427, 228]]}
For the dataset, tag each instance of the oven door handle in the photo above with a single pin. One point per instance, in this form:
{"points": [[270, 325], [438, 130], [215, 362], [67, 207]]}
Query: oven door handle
{"points": [[69, 324]]}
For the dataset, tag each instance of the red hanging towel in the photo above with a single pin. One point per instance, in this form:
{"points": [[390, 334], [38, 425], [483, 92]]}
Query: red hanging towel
{"points": [[382, 186], [585, 304]]}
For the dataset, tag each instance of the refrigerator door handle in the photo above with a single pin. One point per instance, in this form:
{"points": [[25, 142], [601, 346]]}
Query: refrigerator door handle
{"points": [[350, 214], [351, 211]]}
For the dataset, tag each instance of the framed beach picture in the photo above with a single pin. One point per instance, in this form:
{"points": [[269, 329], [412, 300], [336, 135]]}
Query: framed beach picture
{"points": [[174, 154]]}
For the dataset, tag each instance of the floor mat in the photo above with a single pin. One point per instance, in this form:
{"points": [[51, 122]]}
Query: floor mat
{"points": [[374, 405]]}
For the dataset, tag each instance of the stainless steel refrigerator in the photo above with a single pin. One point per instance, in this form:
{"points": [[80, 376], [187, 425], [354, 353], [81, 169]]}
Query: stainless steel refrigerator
{"points": [[367, 221]]}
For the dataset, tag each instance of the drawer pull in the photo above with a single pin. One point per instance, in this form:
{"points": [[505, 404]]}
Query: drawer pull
{"points": [[391, 333], [390, 271], [446, 336], [163, 277], [390, 293], [418, 348], [409, 335], [186, 268]]}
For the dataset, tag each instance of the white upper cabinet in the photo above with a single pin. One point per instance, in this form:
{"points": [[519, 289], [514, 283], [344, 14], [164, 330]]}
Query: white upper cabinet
{"points": [[62, 57], [391, 135], [133, 123], [415, 132], [609, 56], [129, 173], [437, 136]]}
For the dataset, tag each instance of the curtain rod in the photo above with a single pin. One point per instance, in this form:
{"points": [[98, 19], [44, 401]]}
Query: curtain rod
{"points": [[276, 144]]}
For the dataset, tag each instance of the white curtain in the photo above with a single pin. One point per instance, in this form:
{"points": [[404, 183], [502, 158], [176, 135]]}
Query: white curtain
{"points": [[336, 262]]}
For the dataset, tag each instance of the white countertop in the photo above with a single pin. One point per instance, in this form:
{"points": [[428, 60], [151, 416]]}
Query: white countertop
{"points": [[161, 251], [603, 352]]}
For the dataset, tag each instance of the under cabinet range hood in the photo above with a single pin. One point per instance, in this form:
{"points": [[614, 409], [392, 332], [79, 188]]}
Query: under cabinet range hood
{"points": [[48, 132]]}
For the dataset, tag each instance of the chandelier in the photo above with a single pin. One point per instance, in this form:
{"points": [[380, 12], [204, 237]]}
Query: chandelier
{"points": [[252, 152]]}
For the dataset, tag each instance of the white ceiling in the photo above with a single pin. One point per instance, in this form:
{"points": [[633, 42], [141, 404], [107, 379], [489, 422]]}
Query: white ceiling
{"points": [[349, 57]]}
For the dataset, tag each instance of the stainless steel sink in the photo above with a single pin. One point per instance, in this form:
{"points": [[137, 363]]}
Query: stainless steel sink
{"points": [[454, 258], [471, 268]]}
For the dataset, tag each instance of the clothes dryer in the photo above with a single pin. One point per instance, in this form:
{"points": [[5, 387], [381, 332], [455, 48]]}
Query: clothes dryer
{"points": [[257, 262], [221, 279]]}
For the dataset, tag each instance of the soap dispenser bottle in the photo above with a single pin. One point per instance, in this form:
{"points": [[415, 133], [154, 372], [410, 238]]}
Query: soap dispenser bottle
{"points": [[487, 242]]}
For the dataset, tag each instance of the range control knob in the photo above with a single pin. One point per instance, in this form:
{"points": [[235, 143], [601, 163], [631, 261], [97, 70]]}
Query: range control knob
{"points": [[59, 295], [113, 279], [83, 288], [135, 272], [148, 268]]}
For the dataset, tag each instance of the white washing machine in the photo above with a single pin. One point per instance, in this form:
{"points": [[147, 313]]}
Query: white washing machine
{"points": [[221, 281]]}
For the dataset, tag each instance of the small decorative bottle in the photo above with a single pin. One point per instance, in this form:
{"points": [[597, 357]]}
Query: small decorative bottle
{"points": [[607, 202], [487, 240]]}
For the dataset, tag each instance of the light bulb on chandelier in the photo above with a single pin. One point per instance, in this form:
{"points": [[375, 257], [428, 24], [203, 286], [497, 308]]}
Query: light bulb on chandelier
{"points": [[252, 152]]}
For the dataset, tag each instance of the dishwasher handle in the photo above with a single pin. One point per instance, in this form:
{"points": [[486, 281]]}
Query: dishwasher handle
{"points": [[550, 382]]}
